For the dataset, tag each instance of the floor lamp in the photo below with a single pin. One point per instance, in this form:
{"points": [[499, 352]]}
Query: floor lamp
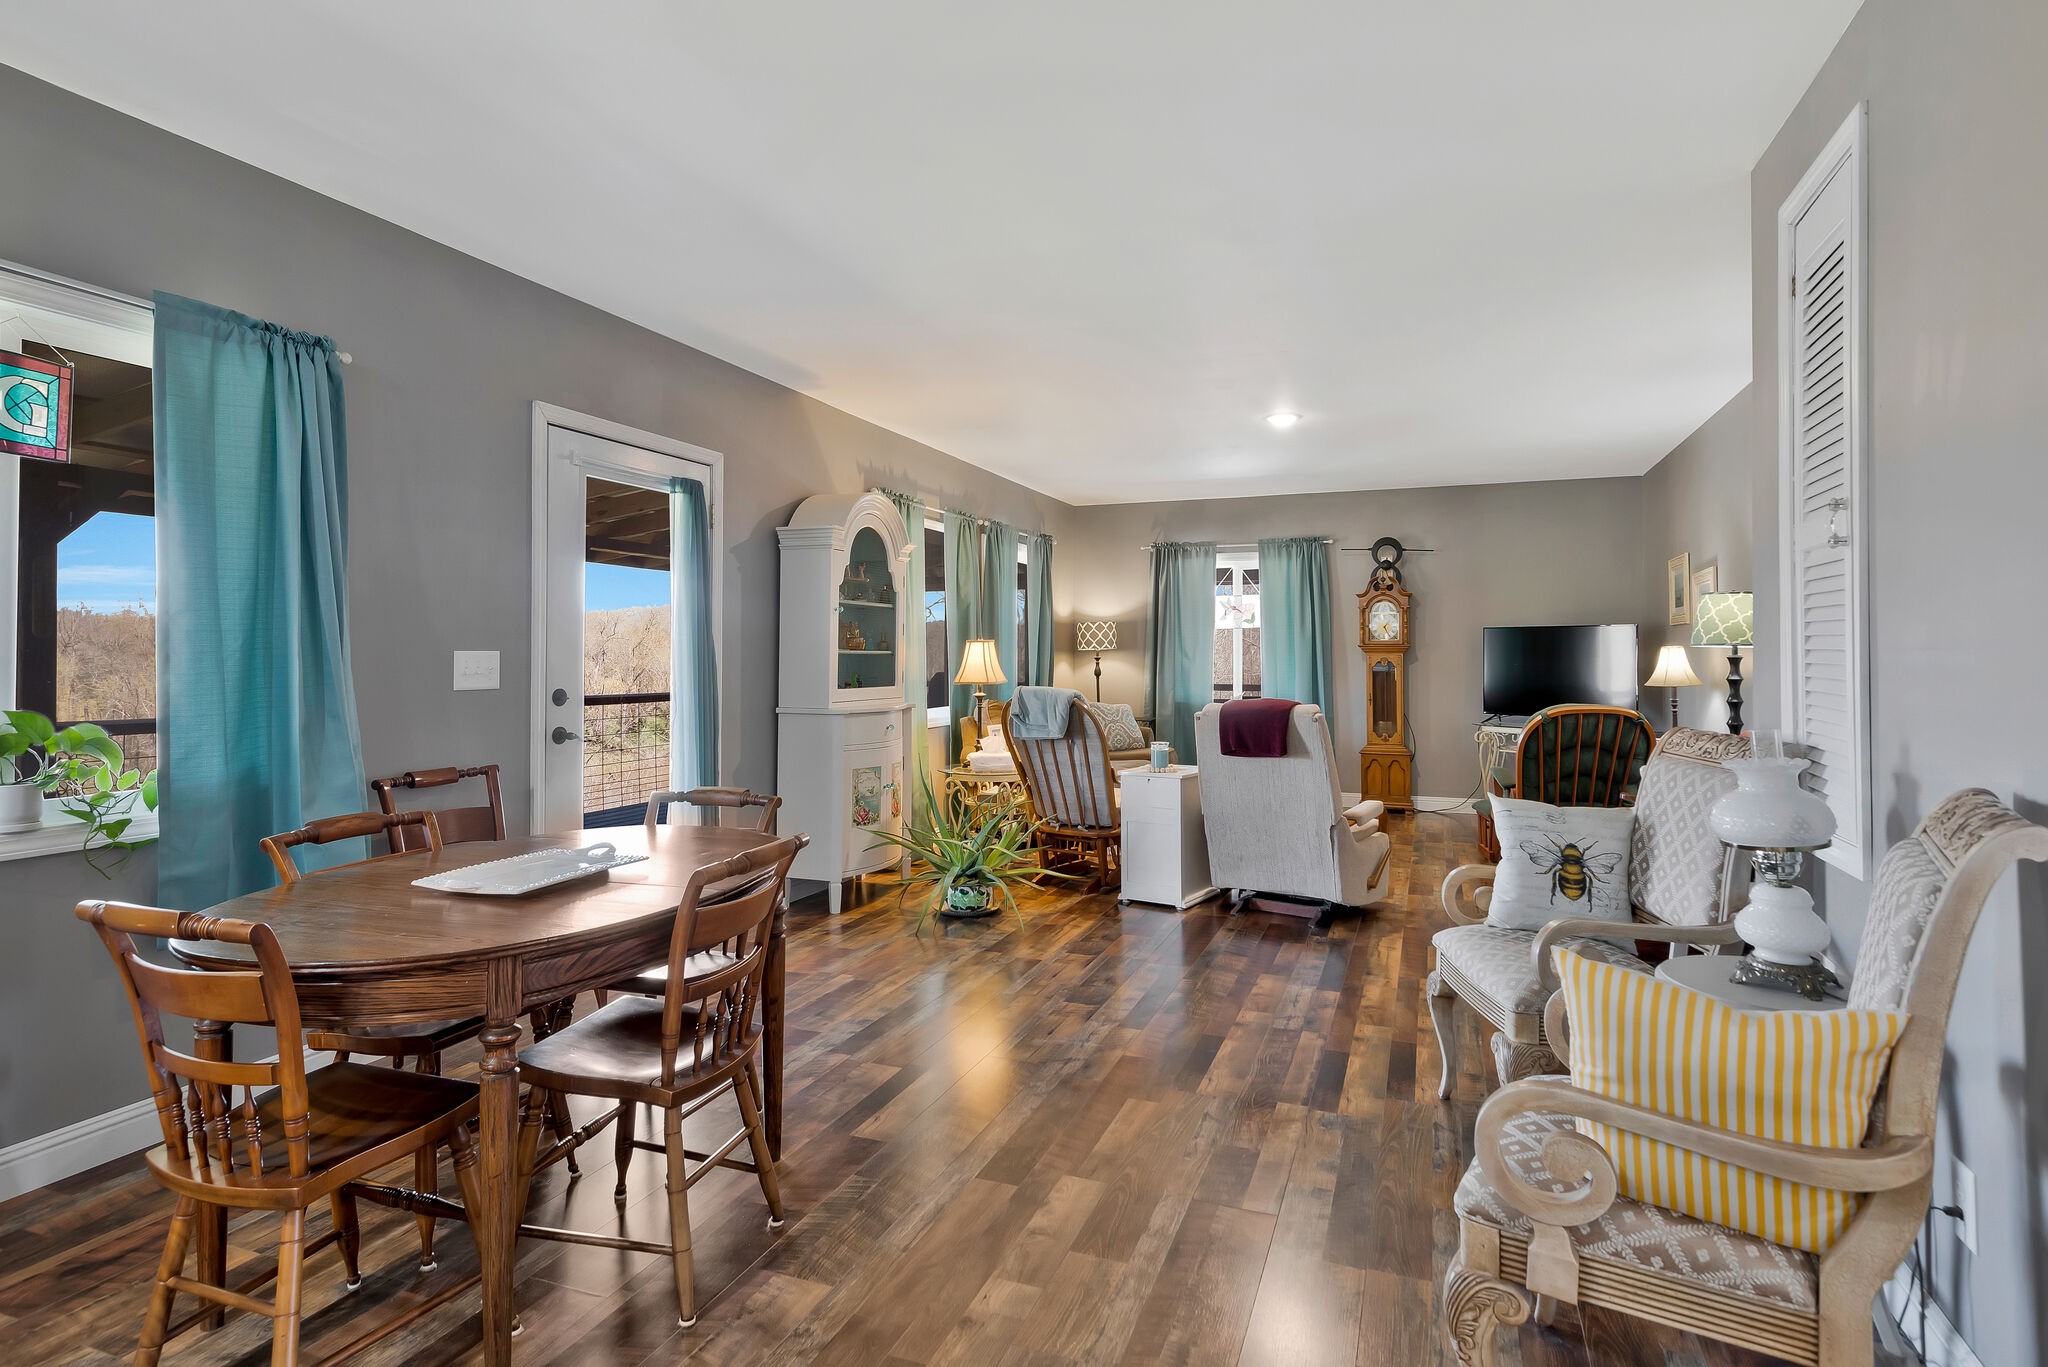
{"points": [[1094, 637], [1727, 620]]}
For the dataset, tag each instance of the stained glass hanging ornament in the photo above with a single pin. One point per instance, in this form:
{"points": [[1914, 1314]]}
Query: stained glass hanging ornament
{"points": [[35, 407]]}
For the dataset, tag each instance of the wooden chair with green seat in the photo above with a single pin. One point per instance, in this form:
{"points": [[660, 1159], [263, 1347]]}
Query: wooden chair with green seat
{"points": [[293, 1140], [1573, 755]]}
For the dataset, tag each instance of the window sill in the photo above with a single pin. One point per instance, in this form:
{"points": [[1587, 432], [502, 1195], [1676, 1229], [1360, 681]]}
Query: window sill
{"points": [[64, 835]]}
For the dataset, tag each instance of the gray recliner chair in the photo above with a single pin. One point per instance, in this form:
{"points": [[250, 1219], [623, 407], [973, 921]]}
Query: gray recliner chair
{"points": [[1280, 828]]}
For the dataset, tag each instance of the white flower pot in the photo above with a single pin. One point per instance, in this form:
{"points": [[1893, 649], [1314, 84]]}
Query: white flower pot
{"points": [[21, 807]]}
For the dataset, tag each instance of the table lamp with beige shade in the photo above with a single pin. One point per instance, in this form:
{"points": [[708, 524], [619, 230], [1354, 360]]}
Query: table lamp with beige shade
{"points": [[1092, 638], [979, 665], [1727, 619], [1673, 671]]}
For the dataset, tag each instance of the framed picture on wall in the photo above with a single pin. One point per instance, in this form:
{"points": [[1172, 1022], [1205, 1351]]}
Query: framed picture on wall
{"points": [[1704, 581], [1678, 588]]}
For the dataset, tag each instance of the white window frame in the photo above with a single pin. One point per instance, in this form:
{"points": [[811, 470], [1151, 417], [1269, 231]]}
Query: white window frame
{"points": [[1844, 154], [68, 315], [935, 717], [1237, 562]]}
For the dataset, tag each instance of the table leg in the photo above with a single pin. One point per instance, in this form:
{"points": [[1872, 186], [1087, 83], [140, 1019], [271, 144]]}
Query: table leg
{"points": [[495, 1226], [773, 998], [214, 1041]]}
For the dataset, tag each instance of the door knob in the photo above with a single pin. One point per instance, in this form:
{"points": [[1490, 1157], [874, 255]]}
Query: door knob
{"points": [[561, 735]]}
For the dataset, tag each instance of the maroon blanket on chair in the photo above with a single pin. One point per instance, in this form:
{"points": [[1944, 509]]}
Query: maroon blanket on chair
{"points": [[1255, 728]]}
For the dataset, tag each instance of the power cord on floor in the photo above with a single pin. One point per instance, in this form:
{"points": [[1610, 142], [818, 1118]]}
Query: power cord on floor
{"points": [[1918, 1292], [1464, 804]]}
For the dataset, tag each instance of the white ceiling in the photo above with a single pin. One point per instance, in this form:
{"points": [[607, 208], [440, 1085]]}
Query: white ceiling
{"points": [[1085, 245]]}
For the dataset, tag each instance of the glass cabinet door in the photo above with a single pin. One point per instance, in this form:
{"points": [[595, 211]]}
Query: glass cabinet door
{"points": [[867, 615]]}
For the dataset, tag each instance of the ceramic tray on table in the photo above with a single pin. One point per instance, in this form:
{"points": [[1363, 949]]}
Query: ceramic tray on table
{"points": [[524, 873]]}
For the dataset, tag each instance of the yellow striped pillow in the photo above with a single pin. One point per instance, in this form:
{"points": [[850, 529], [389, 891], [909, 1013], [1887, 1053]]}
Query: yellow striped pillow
{"points": [[1805, 1077]]}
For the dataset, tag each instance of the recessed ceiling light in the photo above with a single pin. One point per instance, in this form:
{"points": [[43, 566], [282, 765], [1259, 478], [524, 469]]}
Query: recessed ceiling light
{"points": [[1283, 421]]}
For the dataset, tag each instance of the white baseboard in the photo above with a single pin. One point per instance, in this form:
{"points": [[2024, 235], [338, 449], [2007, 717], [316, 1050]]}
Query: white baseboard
{"points": [[1944, 1346], [52, 1157], [67, 1152]]}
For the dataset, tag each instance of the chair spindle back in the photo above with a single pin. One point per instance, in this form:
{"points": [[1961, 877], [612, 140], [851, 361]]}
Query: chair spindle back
{"points": [[459, 825], [729, 906], [1068, 782], [329, 829], [202, 1122]]}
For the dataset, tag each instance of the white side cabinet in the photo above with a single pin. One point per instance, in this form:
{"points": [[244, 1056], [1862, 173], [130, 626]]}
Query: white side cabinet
{"points": [[842, 744], [1165, 849]]}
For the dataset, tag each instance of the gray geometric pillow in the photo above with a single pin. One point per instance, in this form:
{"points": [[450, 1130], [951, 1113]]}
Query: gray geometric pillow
{"points": [[1119, 724]]}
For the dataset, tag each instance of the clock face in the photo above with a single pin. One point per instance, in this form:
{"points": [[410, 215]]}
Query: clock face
{"points": [[1383, 622]]}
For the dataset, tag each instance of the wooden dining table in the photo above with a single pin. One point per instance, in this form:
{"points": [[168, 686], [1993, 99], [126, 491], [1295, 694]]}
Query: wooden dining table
{"points": [[366, 946]]}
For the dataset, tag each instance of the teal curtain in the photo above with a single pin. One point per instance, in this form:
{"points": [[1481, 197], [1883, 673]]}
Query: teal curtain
{"points": [[694, 723], [915, 669], [963, 615], [1294, 621], [1038, 601], [1180, 641], [999, 601], [256, 705]]}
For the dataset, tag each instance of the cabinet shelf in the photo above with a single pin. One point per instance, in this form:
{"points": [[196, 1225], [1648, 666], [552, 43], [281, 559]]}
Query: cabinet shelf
{"points": [[862, 603], [867, 652]]}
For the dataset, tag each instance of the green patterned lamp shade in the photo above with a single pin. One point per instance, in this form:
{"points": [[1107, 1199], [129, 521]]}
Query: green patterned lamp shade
{"points": [[1725, 619]]}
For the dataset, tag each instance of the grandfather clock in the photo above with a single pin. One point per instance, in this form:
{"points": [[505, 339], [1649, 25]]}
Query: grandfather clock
{"points": [[1386, 765]]}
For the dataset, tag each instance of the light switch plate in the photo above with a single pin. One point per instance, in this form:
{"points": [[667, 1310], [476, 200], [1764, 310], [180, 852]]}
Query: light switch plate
{"points": [[475, 669]]}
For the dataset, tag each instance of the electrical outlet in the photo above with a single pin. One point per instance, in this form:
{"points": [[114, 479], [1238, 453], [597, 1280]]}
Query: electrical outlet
{"points": [[1964, 1184], [475, 669]]}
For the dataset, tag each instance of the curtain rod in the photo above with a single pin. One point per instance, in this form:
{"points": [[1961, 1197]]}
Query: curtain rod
{"points": [[1242, 545], [101, 292], [975, 518]]}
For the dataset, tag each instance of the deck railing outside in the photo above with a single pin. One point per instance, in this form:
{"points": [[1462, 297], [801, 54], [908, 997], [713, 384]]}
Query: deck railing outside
{"points": [[625, 750]]}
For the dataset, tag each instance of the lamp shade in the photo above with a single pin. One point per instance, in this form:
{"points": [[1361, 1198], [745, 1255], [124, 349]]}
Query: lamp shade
{"points": [[1094, 636], [1673, 670], [1725, 619], [979, 665]]}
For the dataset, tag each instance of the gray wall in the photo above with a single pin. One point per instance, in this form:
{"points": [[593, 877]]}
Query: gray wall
{"points": [[449, 353], [1959, 333], [1503, 555], [1699, 500]]}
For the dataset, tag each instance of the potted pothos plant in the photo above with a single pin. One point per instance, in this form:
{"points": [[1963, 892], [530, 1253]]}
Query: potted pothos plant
{"points": [[83, 769], [971, 854]]}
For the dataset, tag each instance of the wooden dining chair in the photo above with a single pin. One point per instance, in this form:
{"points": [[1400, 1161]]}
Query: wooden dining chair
{"points": [[713, 803], [682, 1051], [459, 825], [292, 1140]]}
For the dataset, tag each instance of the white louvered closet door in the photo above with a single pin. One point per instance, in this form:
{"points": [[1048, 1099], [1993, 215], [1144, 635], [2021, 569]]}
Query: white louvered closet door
{"points": [[1825, 649]]}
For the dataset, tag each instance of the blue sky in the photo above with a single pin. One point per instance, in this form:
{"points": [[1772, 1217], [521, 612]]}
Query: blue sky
{"points": [[108, 564], [623, 586]]}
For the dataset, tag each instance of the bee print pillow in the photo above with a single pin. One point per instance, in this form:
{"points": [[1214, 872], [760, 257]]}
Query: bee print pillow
{"points": [[1559, 861]]}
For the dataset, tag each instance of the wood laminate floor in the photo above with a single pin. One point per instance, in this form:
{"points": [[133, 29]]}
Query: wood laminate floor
{"points": [[1104, 1135]]}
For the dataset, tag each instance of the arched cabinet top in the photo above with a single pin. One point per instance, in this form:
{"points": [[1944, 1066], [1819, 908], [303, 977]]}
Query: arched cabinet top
{"points": [[833, 519]]}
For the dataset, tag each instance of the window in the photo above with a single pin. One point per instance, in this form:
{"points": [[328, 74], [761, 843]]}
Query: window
{"points": [[1023, 612], [77, 535], [938, 665], [1237, 626], [1824, 642]]}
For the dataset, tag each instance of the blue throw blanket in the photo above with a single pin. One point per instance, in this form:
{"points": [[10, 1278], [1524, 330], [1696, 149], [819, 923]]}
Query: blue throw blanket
{"points": [[1041, 713]]}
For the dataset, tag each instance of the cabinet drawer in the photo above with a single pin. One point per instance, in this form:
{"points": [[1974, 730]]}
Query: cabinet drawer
{"points": [[873, 728], [1160, 796]]}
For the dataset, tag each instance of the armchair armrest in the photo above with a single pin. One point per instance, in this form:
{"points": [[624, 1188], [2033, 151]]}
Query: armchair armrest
{"points": [[1464, 889], [1897, 1162], [1575, 927]]}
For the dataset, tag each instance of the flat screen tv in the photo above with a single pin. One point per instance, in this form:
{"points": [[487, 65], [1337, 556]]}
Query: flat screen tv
{"points": [[1530, 668]]}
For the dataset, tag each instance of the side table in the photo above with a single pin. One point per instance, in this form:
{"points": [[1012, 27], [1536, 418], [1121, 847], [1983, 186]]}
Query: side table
{"points": [[1709, 973], [1165, 848]]}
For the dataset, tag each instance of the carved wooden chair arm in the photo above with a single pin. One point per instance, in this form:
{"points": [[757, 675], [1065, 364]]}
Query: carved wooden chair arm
{"points": [[1467, 889], [1579, 927], [1896, 1162]]}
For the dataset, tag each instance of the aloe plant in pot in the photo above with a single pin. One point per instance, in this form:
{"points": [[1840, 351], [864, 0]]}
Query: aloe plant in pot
{"points": [[82, 767], [973, 854]]}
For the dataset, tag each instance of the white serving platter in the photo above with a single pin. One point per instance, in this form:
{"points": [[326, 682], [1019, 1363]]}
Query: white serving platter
{"points": [[524, 873]]}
